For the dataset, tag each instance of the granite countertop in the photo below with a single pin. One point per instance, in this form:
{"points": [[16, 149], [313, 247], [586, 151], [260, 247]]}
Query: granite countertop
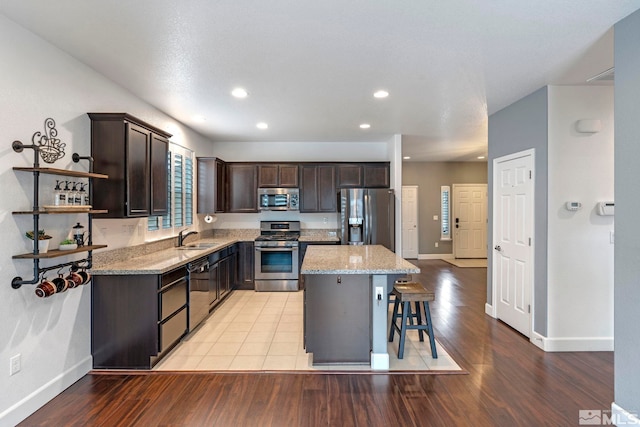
{"points": [[349, 259], [162, 261], [142, 261]]}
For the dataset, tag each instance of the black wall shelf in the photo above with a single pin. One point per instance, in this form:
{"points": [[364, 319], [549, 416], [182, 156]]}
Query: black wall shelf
{"points": [[37, 210]]}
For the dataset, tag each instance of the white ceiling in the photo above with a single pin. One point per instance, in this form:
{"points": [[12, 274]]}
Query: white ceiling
{"points": [[311, 67]]}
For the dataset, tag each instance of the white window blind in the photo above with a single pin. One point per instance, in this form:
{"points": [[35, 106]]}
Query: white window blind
{"points": [[178, 183], [166, 219], [188, 191], [445, 230]]}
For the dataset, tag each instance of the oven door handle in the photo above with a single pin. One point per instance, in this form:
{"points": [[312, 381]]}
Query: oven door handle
{"points": [[278, 249]]}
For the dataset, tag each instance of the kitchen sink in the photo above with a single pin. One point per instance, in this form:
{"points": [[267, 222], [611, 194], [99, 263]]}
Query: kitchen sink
{"points": [[195, 246]]}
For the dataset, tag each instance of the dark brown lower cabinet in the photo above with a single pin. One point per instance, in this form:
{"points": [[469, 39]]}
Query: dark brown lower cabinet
{"points": [[137, 319], [245, 267]]}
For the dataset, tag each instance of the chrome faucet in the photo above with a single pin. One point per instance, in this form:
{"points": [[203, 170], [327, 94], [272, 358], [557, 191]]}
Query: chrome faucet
{"points": [[181, 236]]}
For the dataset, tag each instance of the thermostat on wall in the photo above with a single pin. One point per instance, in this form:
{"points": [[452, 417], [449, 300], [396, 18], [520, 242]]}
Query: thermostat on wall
{"points": [[605, 208], [573, 206]]}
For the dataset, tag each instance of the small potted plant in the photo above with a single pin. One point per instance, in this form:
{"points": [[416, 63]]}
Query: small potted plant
{"points": [[67, 244], [43, 240]]}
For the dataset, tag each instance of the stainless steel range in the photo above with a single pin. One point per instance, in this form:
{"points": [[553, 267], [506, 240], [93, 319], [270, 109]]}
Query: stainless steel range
{"points": [[276, 266]]}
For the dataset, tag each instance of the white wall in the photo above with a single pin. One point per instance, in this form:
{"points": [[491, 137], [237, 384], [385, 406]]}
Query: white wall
{"points": [[52, 335], [580, 255], [395, 157], [301, 151]]}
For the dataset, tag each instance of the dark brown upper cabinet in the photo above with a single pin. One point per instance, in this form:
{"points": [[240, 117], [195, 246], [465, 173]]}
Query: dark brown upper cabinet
{"points": [[243, 187], [377, 175], [349, 175], [212, 185], [159, 177], [317, 188], [363, 175], [134, 155], [277, 175]]}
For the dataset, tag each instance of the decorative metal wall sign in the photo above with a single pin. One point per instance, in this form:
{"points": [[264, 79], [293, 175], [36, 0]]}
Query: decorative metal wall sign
{"points": [[46, 146], [51, 149]]}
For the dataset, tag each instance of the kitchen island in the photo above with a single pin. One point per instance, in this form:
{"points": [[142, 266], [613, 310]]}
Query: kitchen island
{"points": [[346, 310]]}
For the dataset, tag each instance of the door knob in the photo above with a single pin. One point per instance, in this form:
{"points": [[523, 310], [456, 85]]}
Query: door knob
{"points": [[498, 248]]}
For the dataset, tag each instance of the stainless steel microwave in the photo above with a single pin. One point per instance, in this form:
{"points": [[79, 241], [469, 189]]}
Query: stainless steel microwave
{"points": [[278, 199]]}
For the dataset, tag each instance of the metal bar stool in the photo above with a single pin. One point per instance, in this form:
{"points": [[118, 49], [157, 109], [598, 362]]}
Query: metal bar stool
{"points": [[406, 293]]}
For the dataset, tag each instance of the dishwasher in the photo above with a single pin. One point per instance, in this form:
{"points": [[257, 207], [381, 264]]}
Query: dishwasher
{"points": [[199, 291]]}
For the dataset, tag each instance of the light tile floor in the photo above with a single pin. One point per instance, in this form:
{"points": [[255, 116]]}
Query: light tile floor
{"points": [[262, 331]]}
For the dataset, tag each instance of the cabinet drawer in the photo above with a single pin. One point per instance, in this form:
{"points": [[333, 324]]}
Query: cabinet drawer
{"points": [[172, 299], [173, 276], [173, 329]]}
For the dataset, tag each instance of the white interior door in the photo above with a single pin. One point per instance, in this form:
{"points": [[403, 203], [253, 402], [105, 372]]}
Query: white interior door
{"points": [[410, 221], [512, 239], [469, 220]]}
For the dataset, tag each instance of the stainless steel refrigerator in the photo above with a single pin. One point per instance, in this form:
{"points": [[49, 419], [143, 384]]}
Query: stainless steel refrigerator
{"points": [[367, 217]]}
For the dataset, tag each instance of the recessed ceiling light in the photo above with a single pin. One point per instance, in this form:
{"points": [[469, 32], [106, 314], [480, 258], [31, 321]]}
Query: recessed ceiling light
{"points": [[381, 94], [365, 126], [480, 157], [239, 92], [262, 125], [407, 157]]}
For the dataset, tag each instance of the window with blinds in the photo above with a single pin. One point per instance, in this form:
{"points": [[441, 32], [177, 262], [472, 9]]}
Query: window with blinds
{"points": [[180, 192], [445, 231], [188, 191], [178, 183]]}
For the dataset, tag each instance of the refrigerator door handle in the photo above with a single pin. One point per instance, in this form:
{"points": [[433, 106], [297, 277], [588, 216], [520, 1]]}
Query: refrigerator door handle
{"points": [[367, 198]]}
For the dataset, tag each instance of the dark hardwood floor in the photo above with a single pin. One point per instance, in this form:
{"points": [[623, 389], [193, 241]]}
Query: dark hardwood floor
{"points": [[510, 383]]}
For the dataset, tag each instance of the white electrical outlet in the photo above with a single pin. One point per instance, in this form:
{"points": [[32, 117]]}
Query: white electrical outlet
{"points": [[435, 217], [15, 364], [435, 244], [379, 292]]}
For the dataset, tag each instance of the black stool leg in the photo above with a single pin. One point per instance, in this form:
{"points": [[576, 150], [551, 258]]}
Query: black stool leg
{"points": [[419, 321], [406, 308], [392, 330], [432, 340]]}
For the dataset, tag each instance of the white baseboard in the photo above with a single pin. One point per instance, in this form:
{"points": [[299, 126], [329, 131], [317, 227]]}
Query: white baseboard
{"points": [[622, 417], [488, 309], [380, 361], [435, 256], [572, 344], [31, 403], [537, 340]]}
